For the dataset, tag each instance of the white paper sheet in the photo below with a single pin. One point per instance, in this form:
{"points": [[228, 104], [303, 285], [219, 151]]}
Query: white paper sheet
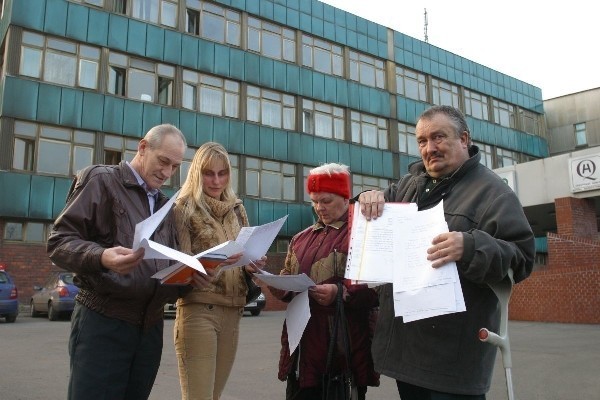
{"points": [[256, 240], [145, 228], [297, 315], [294, 283]]}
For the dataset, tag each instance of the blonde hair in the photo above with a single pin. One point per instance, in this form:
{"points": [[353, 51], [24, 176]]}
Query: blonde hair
{"points": [[191, 195]]}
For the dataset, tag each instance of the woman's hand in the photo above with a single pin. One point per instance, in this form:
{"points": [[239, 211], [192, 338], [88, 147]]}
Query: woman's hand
{"points": [[324, 294], [200, 280], [256, 266]]}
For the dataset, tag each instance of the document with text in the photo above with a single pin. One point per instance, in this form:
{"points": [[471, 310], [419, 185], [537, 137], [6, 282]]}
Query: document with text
{"points": [[393, 249]]}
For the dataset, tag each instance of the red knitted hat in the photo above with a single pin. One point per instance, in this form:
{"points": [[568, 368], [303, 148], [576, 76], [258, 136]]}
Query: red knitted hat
{"points": [[338, 183]]}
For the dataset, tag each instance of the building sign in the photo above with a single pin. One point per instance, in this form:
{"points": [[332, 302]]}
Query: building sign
{"points": [[584, 173], [509, 178]]}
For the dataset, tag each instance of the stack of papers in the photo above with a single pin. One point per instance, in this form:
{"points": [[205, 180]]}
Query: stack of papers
{"points": [[393, 249]]}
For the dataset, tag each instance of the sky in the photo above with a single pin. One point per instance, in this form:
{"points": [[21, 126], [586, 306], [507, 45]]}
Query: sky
{"points": [[551, 45]]}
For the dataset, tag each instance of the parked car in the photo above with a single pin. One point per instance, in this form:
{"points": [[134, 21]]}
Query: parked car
{"points": [[56, 298], [255, 307], [170, 310], [9, 296]]}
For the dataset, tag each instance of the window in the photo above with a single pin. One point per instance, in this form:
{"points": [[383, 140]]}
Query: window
{"points": [[270, 108], [369, 130], [234, 175], [213, 22], [486, 152], [27, 231], [444, 93], [411, 84], [120, 6], [185, 164], [360, 183], [407, 140], [140, 79], [367, 70], [210, 94], [59, 61], [504, 114], [118, 148], [271, 40], [270, 179], [580, 135], [51, 150], [504, 157], [476, 105], [322, 119], [155, 11], [529, 122], [322, 56]]}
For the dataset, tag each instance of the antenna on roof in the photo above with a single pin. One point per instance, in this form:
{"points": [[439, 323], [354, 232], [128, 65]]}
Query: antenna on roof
{"points": [[425, 27]]}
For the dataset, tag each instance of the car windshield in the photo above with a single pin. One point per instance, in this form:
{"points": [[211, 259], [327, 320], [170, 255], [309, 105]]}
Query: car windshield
{"points": [[3, 277], [68, 279]]}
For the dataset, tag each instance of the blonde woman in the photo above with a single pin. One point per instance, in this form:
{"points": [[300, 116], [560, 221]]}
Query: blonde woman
{"points": [[206, 330]]}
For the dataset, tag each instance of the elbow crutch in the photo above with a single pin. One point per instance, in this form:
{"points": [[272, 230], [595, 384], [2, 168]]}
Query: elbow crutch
{"points": [[503, 290]]}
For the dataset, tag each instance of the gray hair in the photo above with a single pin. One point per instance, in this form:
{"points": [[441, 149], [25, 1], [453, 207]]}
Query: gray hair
{"points": [[331, 168], [156, 134], [454, 114]]}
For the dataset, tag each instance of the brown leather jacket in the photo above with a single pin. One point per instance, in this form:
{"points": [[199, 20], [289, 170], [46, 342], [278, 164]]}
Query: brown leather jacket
{"points": [[103, 206]]}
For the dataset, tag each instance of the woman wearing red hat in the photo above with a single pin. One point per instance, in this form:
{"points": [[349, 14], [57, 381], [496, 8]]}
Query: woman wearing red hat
{"points": [[320, 252]]}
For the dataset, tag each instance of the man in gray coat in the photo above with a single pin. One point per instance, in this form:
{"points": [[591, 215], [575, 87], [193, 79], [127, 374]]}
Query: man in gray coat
{"points": [[441, 357]]}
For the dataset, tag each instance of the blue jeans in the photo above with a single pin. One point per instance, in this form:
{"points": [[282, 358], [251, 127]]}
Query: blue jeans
{"points": [[111, 359]]}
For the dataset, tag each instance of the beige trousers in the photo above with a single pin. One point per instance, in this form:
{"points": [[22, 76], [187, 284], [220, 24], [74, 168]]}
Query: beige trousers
{"points": [[206, 340]]}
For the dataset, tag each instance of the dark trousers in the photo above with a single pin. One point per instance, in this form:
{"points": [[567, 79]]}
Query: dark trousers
{"points": [[294, 392], [111, 359], [411, 392]]}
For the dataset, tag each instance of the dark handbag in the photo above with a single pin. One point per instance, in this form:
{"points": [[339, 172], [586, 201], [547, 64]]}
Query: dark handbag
{"points": [[338, 385], [253, 289]]}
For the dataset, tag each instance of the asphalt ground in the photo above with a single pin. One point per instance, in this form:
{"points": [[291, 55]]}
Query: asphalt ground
{"points": [[550, 362]]}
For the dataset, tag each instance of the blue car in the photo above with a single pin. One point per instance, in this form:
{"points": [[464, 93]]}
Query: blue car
{"points": [[56, 298], [9, 297]]}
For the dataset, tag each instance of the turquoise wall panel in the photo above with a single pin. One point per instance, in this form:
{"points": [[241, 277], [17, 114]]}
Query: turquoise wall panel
{"points": [[387, 165], [113, 115], [294, 143], [222, 61], [367, 161], [293, 18], [187, 125], [117, 32], [14, 202], [306, 6], [306, 84], [341, 92], [55, 20], [169, 115], [352, 39], [293, 4], [331, 151], [236, 66], [71, 108], [59, 197], [265, 212], [356, 159], [204, 129], [319, 151], [155, 42], [206, 55], [354, 95], [40, 197], [266, 9], [293, 223], [340, 34], [280, 210], [377, 163], [266, 72], [20, 104], [252, 64], [329, 31], [49, 104], [93, 111], [221, 130], [151, 116], [280, 144], [307, 150], [253, 7], [279, 76], [279, 14], [136, 41], [293, 78], [29, 14], [318, 86], [77, 22], [305, 22], [308, 217], [97, 32], [132, 118], [235, 142], [251, 206], [367, 99], [340, 17], [172, 52], [189, 51], [252, 140], [316, 26], [344, 153], [266, 142]]}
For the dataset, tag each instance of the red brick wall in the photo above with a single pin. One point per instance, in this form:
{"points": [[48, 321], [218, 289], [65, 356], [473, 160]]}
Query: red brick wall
{"points": [[568, 288]]}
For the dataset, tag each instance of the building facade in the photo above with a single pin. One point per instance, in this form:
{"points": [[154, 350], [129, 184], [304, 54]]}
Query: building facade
{"points": [[284, 85]]}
